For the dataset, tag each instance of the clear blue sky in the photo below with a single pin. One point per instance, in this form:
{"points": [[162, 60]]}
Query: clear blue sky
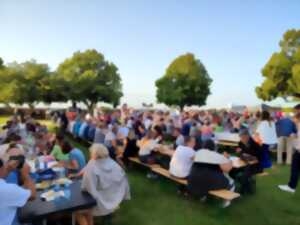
{"points": [[234, 39]]}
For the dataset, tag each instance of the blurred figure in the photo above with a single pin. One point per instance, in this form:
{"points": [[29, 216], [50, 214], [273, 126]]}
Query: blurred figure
{"points": [[106, 181], [295, 166], [286, 130], [266, 132]]}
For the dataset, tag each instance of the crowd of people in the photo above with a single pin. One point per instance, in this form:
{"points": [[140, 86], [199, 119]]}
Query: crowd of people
{"points": [[24, 140], [192, 137], [184, 143]]}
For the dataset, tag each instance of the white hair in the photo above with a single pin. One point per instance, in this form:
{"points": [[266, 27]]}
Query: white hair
{"points": [[99, 151]]}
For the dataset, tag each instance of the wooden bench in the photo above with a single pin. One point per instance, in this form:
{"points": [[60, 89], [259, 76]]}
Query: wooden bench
{"points": [[163, 172], [228, 143], [223, 193], [137, 161]]}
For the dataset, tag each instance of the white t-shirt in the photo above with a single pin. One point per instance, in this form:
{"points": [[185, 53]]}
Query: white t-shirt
{"points": [[147, 123], [123, 132], [12, 197], [182, 161], [147, 147], [267, 132]]}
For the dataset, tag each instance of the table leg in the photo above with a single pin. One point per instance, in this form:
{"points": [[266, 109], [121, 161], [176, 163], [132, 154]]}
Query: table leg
{"points": [[73, 219]]}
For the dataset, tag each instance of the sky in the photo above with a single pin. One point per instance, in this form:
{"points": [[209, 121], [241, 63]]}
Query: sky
{"points": [[233, 39]]}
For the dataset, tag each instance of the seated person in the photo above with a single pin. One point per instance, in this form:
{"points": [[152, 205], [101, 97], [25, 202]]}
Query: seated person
{"points": [[110, 140], [206, 131], [56, 152], [247, 146], [99, 133], [182, 159], [106, 181], [179, 138], [209, 172], [76, 161], [131, 148], [148, 145], [12, 196]]}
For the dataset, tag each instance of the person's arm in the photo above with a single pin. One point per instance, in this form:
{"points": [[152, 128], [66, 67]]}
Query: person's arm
{"points": [[27, 182], [226, 167], [10, 166], [78, 175], [72, 165]]}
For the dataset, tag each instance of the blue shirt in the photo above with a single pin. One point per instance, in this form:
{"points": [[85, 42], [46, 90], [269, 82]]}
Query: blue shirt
{"points": [[13, 177], [78, 156], [285, 127]]}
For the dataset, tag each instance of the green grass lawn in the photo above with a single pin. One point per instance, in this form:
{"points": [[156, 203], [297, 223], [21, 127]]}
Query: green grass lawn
{"points": [[155, 202]]}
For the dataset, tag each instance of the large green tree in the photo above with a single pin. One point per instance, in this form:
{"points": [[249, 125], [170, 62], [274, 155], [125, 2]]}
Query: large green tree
{"points": [[24, 83], [185, 83], [87, 77], [282, 71]]}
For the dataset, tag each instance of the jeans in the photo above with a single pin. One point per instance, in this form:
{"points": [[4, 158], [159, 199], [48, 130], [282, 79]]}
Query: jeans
{"points": [[266, 159], [295, 169]]}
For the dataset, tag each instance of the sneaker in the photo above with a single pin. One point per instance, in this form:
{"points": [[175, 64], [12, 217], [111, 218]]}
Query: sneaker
{"points": [[286, 188], [203, 199], [226, 204]]}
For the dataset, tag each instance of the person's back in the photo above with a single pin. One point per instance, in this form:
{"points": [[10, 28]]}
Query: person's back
{"points": [[182, 161], [78, 156], [12, 197], [267, 132], [206, 173], [105, 180], [285, 127], [99, 136], [208, 170]]}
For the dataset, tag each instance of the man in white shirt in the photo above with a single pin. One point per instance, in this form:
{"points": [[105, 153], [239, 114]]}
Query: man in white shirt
{"points": [[12, 197], [182, 160]]}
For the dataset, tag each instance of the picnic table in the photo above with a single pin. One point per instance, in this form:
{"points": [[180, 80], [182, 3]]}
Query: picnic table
{"points": [[39, 210], [236, 161], [227, 139]]}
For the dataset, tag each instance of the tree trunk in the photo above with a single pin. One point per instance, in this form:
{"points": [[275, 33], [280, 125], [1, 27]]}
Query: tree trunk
{"points": [[90, 107]]}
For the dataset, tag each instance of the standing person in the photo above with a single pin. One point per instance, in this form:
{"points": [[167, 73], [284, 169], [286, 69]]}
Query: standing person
{"points": [[182, 159], [295, 166], [286, 129], [266, 132]]}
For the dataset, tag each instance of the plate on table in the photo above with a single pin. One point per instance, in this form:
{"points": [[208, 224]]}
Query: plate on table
{"points": [[43, 185], [51, 195], [63, 181]]}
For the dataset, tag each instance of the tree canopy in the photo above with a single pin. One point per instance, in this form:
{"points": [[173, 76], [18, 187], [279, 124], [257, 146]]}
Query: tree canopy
{"points": [[186, 82], [87, 77], [282, 71], [24, 83]]}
